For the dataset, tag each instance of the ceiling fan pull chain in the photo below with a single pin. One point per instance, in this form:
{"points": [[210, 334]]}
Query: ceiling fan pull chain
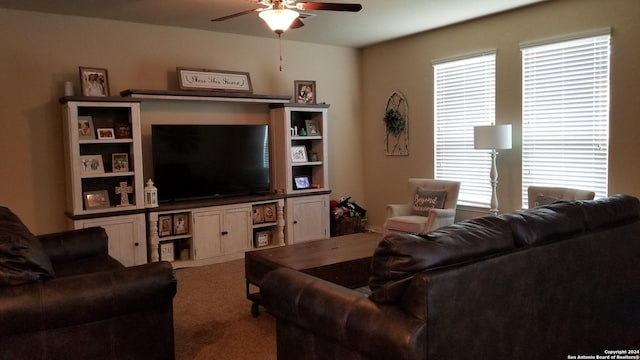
{"points": [[280, 43]]}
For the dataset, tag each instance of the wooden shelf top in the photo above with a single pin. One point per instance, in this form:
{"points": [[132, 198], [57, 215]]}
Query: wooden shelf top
{"points": [[204, 96]]}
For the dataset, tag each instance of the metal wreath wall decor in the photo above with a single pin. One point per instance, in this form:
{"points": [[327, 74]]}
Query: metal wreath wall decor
{"points": [[396, 121]]}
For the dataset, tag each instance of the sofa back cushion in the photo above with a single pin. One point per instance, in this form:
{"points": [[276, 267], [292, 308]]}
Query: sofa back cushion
{"points": [[399, 256], [610, 211], [22, 258]]}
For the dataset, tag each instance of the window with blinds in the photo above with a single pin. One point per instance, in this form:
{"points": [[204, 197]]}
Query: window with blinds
{"points": [[464, 97], [565, 114]]}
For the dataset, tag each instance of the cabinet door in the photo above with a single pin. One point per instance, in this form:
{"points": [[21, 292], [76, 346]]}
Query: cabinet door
{"points": [[236, 235], [307, 218], [207, 228], [127, 237]]}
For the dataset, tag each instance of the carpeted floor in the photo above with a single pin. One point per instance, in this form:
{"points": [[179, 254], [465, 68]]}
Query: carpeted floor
{"points": [[212, 317]]}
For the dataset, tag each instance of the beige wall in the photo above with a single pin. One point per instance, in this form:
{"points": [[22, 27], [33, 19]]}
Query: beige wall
{"points": [[406, 65], [39, 52]]}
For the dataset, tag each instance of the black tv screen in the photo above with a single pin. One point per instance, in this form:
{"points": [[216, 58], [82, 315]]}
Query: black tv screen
{"points": [[207, 161]]}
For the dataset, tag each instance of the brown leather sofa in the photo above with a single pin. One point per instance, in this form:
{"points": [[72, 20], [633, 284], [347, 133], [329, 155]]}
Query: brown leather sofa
{"points": [[63, 297], [544, 283]]}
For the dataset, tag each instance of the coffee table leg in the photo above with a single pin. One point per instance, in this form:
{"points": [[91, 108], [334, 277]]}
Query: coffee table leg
{"points": [[255, 298]]}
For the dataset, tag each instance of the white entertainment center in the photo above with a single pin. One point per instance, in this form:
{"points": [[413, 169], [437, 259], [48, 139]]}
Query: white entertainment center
{"points": [[204, 231]]}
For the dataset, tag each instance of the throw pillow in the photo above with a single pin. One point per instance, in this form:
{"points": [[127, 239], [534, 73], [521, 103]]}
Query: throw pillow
{"points": [[544, 200], [22, 258], [425, 200]]}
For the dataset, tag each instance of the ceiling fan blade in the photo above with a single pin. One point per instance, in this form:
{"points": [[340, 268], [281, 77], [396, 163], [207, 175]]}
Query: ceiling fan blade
{"points": [[328, 6], [297, 23], [237, 14]]}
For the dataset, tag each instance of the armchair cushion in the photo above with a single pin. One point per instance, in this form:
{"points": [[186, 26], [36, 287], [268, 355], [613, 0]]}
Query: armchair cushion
{"points": [[22, 258], [426, 199]]}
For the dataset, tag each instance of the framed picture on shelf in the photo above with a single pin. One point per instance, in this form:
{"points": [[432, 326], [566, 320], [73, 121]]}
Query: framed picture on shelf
{"points": [[85, 128], [312, 127], [305, 91], [269, 212], [96, 199], [301, 182], [106, 134], [167, 251], [298, 154], [258, 215], [91, 164], [180, 224], [165, 225], [94, 81], [123, 130], [262, 238], [120, 162]]}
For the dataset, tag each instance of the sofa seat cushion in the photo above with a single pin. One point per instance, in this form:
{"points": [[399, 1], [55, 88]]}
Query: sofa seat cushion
{"points": [[399, 256], [414, 224], [22, 258]]}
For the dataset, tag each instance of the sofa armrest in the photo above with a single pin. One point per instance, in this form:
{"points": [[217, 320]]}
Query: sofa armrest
{"points": [[398, 210], [344, 316], [81, 299], [71, 245]]}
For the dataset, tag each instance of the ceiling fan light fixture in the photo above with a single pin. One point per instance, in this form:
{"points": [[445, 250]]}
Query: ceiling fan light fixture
{"points": [[279, 20]]}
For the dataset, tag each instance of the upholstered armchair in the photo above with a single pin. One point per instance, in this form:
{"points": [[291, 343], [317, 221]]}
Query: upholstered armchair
{"points": [[431, 204], [544, 195]]}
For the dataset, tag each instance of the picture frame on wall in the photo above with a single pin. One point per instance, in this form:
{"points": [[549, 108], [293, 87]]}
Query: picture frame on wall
{"points": [[165, 225], [91, 164], [120, 162], [305, 91], [96, 199], [94, 81], [298, 154], [85, 128], [180, 224]]}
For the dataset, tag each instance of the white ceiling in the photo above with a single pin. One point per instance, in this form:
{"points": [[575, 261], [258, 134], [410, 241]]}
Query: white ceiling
{"points": [[378, 21]]}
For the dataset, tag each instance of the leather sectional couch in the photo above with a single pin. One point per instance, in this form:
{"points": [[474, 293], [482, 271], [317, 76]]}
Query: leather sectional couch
{"points": [[63, 297], [544, 283]]}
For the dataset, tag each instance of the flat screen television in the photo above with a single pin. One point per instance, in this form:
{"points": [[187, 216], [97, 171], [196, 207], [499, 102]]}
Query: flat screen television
{"points": [[208, 161]]}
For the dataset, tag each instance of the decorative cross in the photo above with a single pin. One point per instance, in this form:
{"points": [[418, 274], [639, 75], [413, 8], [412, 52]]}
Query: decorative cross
{"points": [[123, 190]]}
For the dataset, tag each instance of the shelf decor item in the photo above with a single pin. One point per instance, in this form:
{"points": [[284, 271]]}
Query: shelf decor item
{"points": [[150, 195], [94, 81], [396, 123], [123, 130], [305, 91], [214, 80], [91, 164], [258, 215], [262, 238], [301, 182], [167, 251], [269, 211], [119, 162], [165, 225], [105, 134], [85, 128], [312, 127], [180, 224], [96, 199], [123, 190], [298, 154]]}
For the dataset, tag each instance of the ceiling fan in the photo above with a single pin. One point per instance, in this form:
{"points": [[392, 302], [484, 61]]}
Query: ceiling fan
{"points": [[280, 14]]}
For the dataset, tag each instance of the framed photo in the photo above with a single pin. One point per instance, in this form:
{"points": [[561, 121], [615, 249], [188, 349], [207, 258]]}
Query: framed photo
{"points": [[119, 162], [85, 128], [167, 251], [305, 91], [96, 199], [180, 224], [214, 80], [298, 154], [269, 212], [312, 127], [301, 182], [94, 81], [123, 130], [165, 225], [105, 134], [258, 215], [91, 164]]}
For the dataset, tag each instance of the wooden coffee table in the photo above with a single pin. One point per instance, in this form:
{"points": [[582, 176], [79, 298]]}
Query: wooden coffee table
{"points": [[343, 260]]}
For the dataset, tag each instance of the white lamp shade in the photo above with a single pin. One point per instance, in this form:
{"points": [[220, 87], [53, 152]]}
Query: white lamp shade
{"points": [[279, 20], [492, 137]]}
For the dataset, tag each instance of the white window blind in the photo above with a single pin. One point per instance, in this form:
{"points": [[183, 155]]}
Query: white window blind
{"points": [[464, 96], [565, 115]]}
